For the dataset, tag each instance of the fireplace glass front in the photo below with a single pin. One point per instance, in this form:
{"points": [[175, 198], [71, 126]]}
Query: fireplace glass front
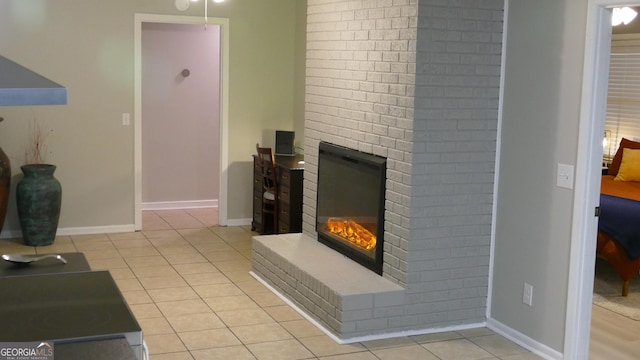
{"points": [[350, 203]]}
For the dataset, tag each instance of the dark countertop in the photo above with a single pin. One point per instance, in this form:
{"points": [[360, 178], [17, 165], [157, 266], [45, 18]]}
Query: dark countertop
{"points": [[81, 311], [112, 349], [65, 307]]}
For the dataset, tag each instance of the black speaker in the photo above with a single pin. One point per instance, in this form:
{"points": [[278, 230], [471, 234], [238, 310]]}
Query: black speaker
{"points": [[284, 143]]}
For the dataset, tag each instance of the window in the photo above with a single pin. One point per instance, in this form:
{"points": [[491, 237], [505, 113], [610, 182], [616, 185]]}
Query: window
{"points": [[623, 99]]}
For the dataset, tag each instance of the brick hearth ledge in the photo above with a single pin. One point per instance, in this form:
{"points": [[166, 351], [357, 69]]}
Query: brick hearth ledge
{"points": [[344, 297]]}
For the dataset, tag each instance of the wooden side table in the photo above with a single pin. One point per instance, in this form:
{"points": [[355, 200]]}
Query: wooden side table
{"points": [[290, 173]]}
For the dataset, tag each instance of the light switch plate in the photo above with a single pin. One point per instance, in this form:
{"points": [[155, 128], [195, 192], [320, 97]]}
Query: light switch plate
{"points": [[126, 119], [565, 176]]}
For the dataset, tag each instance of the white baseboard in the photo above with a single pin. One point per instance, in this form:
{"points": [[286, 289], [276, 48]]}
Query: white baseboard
{"points": [[239, 222], [175, 205], [526, 342], [12, 234], [97, 230]]}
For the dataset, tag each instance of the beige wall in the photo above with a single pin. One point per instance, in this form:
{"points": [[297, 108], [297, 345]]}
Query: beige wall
{"points": [[300, 74], [543, 76], [88, 47]]}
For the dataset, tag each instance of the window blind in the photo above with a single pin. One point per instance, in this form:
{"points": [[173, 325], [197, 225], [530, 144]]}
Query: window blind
{"points": [[623, 98]]}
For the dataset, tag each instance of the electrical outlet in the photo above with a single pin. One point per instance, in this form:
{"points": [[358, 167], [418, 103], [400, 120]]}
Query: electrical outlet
{"points": [[527, 294]]}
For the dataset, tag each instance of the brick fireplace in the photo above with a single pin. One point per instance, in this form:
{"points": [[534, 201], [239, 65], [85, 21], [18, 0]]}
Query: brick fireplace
{"points": [[415, 82]]}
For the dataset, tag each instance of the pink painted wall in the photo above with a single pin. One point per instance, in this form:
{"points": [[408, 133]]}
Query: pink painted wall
{"points": [[180, 115]]}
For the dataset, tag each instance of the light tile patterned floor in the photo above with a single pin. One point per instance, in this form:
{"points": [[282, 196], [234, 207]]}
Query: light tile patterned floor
{"points": [[187, 282]]}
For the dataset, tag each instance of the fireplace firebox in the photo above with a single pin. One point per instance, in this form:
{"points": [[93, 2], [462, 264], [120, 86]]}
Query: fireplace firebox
{"points": [[350, 203]]}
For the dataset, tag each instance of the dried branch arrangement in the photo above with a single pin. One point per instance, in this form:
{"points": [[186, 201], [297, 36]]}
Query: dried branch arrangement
{"points": [[37, 149]]}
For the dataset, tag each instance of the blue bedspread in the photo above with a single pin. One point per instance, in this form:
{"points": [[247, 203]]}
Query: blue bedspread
{"points": [[620, 219]]}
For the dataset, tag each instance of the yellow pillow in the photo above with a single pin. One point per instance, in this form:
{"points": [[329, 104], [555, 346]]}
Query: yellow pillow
{"points": [[630, 166]]}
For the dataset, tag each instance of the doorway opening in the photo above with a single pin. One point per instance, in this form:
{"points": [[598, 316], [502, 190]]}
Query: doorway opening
{"points": [[588, 176], [221, 25]]}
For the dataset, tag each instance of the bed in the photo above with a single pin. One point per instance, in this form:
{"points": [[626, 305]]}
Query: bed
{"points": [[619, 221]]}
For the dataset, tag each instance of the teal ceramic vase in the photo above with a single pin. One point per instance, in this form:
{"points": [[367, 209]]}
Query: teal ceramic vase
{"points": [[38, 196]]}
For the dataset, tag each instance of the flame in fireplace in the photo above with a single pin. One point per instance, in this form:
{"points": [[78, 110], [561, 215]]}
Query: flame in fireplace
{"points": [[352, 232]]}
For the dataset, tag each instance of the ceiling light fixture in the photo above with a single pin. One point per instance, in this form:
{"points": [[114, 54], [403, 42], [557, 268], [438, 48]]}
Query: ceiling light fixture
{"points": [[622, 16], [183, 5]]}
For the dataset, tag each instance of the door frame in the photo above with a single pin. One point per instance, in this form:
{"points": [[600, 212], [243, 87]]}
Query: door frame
{"points": [[588, 169], [224, 106]]}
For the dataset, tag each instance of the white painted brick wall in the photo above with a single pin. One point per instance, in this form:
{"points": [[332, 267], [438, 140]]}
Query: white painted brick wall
{"points": [[360, 91], [455, 121], [416, 82]]}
